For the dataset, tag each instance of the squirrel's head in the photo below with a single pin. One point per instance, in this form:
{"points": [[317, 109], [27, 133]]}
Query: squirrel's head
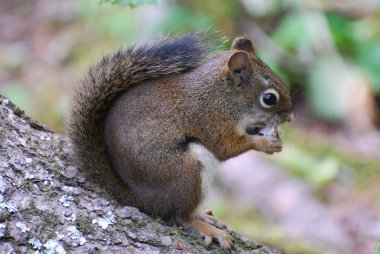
{"points": [[263, 99]]}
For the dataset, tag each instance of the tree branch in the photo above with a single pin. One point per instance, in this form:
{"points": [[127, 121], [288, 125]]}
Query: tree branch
{"points": [[46, 204]]}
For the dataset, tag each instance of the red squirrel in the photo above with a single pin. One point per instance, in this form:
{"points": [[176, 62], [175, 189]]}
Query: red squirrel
{"points": [[149, 123]]}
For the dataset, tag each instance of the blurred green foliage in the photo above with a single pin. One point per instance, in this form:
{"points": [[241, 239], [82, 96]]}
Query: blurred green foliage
{"points": [[184, 20], [357, 40], [291, 33], [321, 163], [317, 170], [359, 43], [130, 3], [100, 29], [331, 49]]}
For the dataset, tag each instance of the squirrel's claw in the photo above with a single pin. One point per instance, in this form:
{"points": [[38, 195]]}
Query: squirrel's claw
{"points": [[208, 232], [225, 239], [209, 218], [208, 240]]}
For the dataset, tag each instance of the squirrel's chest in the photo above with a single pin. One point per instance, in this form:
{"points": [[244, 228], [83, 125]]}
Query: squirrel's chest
{"points": [[209, 162]]}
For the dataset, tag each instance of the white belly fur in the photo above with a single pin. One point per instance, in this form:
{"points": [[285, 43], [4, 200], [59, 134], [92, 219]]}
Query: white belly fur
{"points": [[210, 164]]}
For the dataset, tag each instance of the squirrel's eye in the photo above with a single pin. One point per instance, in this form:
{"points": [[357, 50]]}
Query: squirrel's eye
{"points": [[269, 98]]}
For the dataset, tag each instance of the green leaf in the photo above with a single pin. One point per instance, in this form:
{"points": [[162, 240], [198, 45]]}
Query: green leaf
{"points": [[358, 41], [291, 33], [368, 56], [341, 29]]}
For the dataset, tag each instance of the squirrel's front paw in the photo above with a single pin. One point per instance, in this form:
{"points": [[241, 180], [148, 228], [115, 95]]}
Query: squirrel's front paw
{"points": [[268, 144]]}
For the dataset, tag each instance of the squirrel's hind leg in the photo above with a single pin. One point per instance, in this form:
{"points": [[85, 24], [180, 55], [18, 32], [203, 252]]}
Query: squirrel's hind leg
{"points": [[205, 224], [208, 217], [209, 232]]}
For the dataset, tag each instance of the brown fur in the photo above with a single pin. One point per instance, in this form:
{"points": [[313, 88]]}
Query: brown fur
{"points": [[135, 115]]}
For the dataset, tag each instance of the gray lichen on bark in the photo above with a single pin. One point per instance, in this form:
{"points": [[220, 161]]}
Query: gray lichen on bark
{"points": [[47, 206]]}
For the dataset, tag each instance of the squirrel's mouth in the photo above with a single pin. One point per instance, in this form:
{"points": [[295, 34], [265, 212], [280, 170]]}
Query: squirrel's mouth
{"points": [[270, 129], [254, 130]]}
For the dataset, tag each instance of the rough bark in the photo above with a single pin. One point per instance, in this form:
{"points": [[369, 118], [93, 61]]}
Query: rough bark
{"points": [[47, 206]]}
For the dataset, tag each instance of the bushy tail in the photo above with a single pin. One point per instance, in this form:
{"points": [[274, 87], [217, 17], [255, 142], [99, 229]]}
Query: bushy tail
{"points": [[112, 75]]}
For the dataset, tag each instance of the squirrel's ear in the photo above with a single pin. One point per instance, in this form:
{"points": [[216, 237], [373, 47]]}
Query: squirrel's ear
{"points": [[239, 67], [242, 43], [238, 62]]}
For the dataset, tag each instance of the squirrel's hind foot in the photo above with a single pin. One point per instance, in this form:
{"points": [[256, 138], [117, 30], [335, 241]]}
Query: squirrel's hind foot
{"points": [[207, 226], [208, 217]]}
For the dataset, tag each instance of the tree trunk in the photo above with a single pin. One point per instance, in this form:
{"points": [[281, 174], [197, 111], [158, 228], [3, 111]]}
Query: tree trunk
{"points": [[47, 206]]}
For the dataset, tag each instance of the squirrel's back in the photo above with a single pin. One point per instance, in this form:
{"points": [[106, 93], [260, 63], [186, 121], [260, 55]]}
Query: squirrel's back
{"points": [[109, 78]]}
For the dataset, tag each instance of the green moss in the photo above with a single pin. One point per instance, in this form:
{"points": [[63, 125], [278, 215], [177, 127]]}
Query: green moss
{"points": [[84, 224], [215, 248], [2, 136], [136, 225], [27, 185], [51, 220], [4, 217], [172, 233], [247, 246], [50, 234], [194, 239]]}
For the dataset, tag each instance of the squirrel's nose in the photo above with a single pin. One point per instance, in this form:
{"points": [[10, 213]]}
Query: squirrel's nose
{"points": [[290, 117], [286, 116]]}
